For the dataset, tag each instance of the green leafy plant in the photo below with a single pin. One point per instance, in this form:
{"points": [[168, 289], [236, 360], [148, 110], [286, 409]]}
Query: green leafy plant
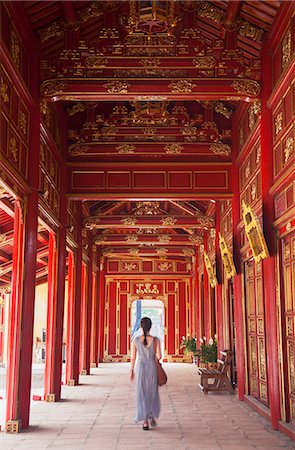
{"points": [[189, 345], [208, 351]]}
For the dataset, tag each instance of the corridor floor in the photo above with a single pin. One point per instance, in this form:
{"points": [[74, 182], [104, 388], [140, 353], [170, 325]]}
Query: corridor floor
{"points": [[97, 415]]}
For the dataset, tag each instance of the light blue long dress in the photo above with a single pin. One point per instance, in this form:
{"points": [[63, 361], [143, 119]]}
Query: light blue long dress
{"points": [[146, 382]]}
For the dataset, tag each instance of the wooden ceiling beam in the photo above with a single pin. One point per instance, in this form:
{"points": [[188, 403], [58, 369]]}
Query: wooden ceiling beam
{"points": [[232, 12], [69, 11], [145, 239], [150, 221]]}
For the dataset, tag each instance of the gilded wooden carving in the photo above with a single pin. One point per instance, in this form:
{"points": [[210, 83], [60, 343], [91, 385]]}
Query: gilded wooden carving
{"points": [[254, 234], [227, 258], [210, 270]]}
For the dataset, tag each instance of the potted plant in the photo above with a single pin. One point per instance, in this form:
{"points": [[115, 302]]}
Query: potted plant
{"points": [[189, 344], [208, 352]]}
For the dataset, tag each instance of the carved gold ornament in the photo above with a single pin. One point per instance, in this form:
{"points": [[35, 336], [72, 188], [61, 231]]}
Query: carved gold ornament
{"points": [[129, 221], [95, 62], [258, 154], [150, 62], [250, 31], [129, 267], [247, 170], [248, 87], [126, 148], [162, 251], [206, 221], [209, 11], [117, 87], [254, 112], [241, 137], [289, 148], [204, 62], [52, 87], [76, 108], [3, 238], [23, 122], [165, 238], [210, 270], [168, 220], [15, 49], [147, 288], [164, 266], [181, 86], [286, 49], [220, 149], [131, 238], [4, 91], [173, 148], [222, 109], [77, 149], [227, 258], [146, 208], [188, 251], [198, 240], [133, 251], [13, 147], [278, 123], [254, 233], [253, 191]]}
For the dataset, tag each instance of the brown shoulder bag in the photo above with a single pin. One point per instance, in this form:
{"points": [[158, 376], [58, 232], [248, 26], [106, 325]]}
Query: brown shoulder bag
{"points": [[162, 376]]}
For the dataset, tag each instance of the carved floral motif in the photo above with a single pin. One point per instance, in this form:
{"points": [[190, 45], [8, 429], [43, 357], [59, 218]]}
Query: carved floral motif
{"points": [[289, 148], [96, 62], [204, 62], [13, 148], [131, 238], [23, 122], [126, 148], [209, 11], [117, 87], [286, 49], [15, 49], [181, 86], [164, 238], [278, 123], [206, 221], [129, 220], [168, 220], [219, 148], [173, 148], [164, 266], [52, 87], [4, 91], [250, 31], [162, 251], [147, 288], [249, 87], [128, 267]]}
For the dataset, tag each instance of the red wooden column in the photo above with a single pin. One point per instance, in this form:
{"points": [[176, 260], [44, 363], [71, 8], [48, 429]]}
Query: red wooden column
{"points": [[21, 320], [95, 317], [238, 293], [55, 314], [13, 353], [71, 315], [196, 299], [74, 308], [207, 318], [218, 289], [51, 316], [87, 310], [269, 269], [101, 306]]}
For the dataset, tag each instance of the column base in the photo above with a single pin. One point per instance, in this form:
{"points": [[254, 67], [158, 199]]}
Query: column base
{"points": [[13, 426], [93, 364], [50, 398], [71, 382], [83, 372]]}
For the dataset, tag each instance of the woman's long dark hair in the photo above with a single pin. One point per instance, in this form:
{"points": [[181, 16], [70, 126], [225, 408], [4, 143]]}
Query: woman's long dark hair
{"points": [[146, 325]]}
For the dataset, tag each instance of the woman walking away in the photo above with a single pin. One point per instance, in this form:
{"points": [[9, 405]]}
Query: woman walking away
{"points": [[146, 347]]}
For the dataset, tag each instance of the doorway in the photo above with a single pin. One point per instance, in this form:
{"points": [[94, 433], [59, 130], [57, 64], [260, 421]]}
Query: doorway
{"points": [[154, 309]]}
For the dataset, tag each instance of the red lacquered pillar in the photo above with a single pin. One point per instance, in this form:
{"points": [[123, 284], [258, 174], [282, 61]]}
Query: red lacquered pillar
{"points": [[101, 306], [269, 269], [74, 310], [70, 319], [238, 295], [207, 318], [13, 421], [218, 289], [21, 320], [55, 314], [95, 318], [197, 301]]}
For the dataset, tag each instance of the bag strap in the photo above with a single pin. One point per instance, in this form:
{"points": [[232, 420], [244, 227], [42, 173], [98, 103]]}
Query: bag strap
{"points": [[155, 346]]}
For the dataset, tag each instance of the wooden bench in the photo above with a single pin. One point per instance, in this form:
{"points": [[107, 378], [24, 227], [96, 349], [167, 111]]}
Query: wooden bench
{"points": [[221, 381]]}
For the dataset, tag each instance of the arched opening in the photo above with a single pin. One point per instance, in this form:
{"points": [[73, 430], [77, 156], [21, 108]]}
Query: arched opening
{"points": [[154, 309]]}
